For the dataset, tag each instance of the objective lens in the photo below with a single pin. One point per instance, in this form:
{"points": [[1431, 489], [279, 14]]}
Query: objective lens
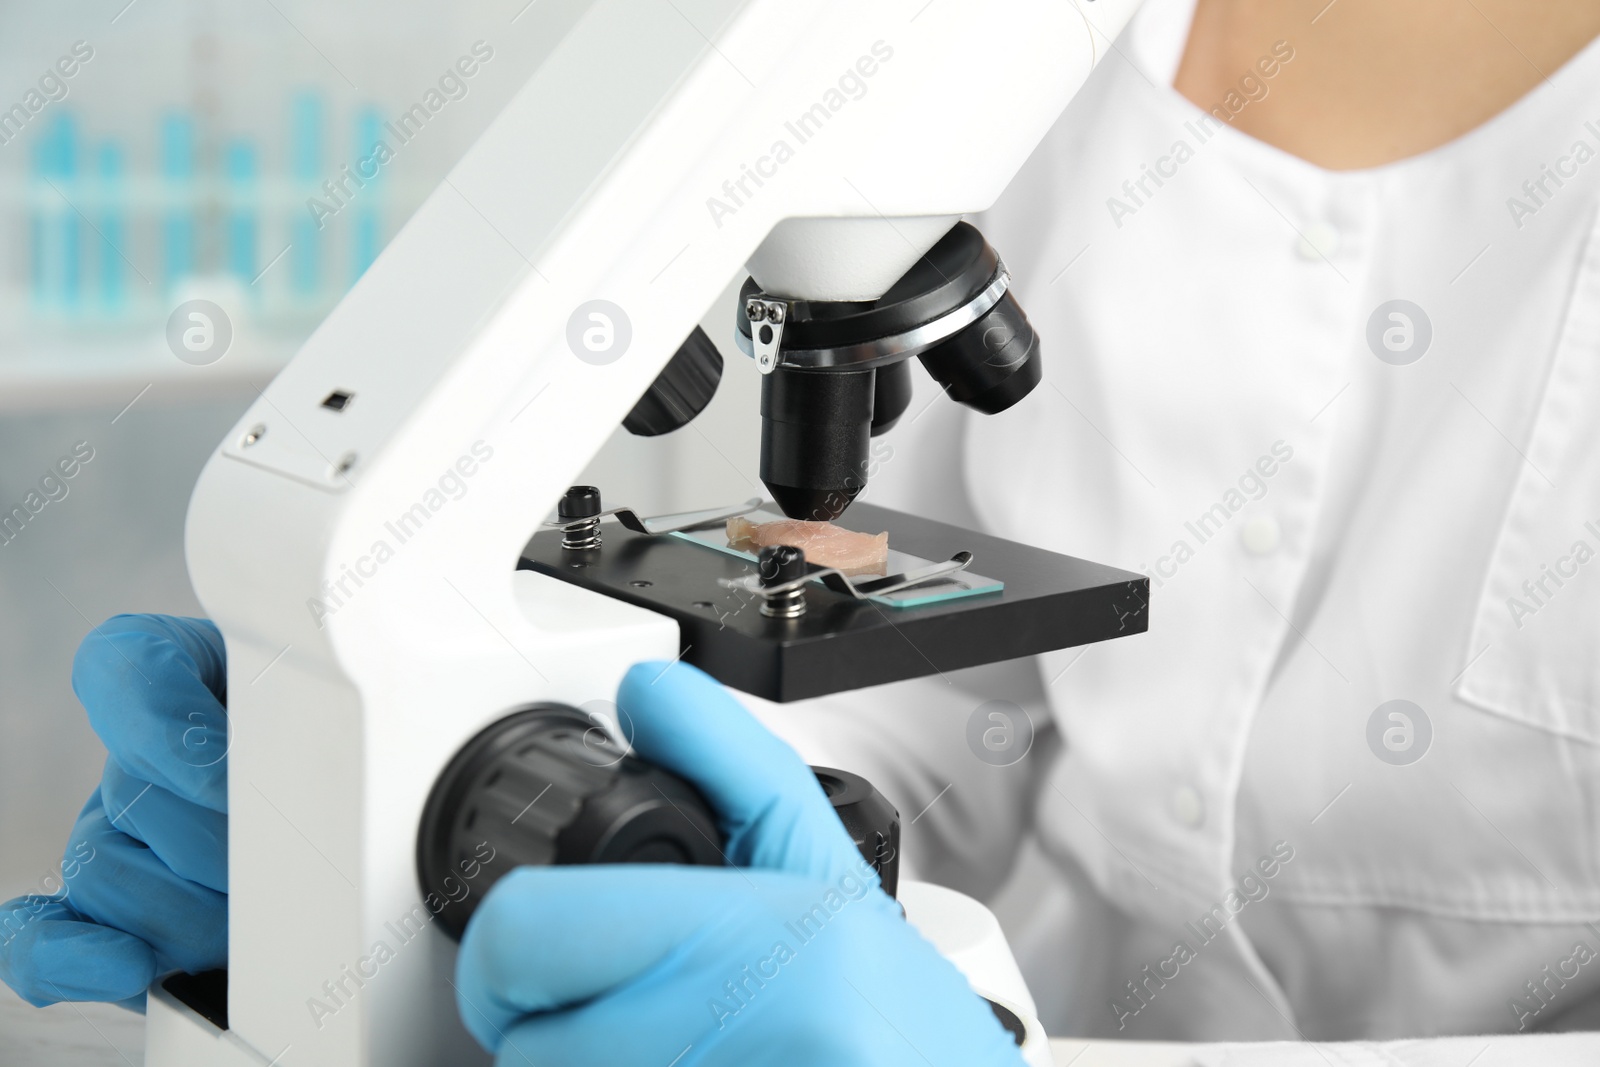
{"points": [[991, 364], [891, 395], [816, 428]]}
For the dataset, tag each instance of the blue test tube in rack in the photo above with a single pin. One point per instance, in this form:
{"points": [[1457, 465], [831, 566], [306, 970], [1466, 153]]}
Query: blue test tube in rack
{"points": [[111, 209], [241, 221], [42, 204], [305, 163], [178, 218], [364, 236], [54, 228], [71, 224]]}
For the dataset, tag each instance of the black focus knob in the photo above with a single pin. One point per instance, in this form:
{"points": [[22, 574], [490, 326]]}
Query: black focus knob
{"points": [[543, 786], [579, 502], [681, 391], [870, 820]]}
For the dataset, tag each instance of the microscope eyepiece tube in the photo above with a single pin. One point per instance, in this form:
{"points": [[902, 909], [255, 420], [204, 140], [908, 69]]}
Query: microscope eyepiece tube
{"points": [[816, 429]]}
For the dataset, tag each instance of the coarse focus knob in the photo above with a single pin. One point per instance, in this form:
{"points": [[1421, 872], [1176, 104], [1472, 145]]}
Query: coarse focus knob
{"points": [[681, 391], [546, 785], [870, 820], [579, 502]]}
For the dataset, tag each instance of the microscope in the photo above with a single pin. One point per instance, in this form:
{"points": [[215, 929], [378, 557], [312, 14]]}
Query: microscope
{"points": [[425, 617]]}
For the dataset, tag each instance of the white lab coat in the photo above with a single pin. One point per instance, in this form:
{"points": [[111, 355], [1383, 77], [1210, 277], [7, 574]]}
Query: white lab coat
{"points": [[1326, 531]]}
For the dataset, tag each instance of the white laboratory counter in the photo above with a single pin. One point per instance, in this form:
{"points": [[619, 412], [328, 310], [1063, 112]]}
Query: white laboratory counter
{"points": [[100, 1035]]}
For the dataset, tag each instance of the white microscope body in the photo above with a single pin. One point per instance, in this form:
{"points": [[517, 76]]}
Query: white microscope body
{"points": [[360, 562]]}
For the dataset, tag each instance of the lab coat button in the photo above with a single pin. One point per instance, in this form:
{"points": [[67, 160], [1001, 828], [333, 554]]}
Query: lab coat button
{"points": [[1187, 807], [1260, 534], [1318, 241]]}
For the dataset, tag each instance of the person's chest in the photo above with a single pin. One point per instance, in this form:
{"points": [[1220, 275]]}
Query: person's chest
{"points": [[1338, 420]]}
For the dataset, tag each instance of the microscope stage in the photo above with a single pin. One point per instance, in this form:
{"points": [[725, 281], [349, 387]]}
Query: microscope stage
{"points": [[1049, 601]]}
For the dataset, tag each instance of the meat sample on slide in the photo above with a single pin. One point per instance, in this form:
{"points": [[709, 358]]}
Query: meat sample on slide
{"points": [[823, 543]]}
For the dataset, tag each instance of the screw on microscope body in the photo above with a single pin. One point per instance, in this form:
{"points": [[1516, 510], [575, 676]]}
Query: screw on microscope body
{"points": [[763, 310]]}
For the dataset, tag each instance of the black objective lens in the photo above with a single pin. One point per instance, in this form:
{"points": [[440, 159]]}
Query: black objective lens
{"points": [[817, 422], [891, 395], [991, 364], [816, 428]]}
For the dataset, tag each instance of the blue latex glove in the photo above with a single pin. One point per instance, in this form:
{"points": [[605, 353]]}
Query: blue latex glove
{"points": [[145, 876], [793, 957]]}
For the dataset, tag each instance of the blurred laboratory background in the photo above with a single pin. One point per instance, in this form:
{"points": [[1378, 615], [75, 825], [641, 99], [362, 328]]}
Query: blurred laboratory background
{"points": [[183, 158]]}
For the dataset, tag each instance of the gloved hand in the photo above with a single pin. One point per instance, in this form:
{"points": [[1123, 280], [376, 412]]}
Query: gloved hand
{"points": [[145, 877], [793, 956]]}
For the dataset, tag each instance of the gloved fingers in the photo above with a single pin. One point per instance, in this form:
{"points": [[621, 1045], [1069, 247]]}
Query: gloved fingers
{"points": [[574, 1036], [124, 885], [154, 687], [624, 965], [772, 809], [48, 953], [546, 938], [191, 840], [878, 1015]]}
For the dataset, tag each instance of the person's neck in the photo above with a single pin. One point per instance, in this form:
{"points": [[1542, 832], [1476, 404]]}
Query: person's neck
{"points": [[1373, 81]]}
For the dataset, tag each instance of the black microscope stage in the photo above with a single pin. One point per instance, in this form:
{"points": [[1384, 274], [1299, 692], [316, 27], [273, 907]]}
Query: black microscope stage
{"points": [[1049, 601]]}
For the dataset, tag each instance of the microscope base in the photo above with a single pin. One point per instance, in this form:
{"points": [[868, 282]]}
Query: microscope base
{"points": [[191, 1030], [176, 1035], [969, 936]]}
